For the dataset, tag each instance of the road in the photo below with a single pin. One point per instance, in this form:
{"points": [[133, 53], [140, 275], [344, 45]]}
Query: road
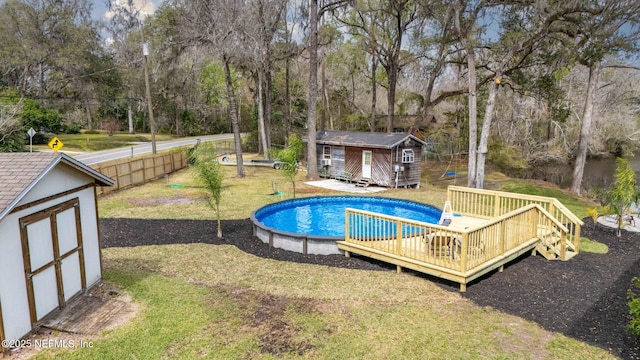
{"points": [[113, 154]]}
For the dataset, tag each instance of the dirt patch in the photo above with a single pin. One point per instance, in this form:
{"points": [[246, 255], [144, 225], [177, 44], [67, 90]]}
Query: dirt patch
{"points": [[267, 316], [172, 200]]}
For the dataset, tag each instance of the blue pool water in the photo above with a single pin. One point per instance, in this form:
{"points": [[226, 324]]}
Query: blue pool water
{"points": [[324, 216]]}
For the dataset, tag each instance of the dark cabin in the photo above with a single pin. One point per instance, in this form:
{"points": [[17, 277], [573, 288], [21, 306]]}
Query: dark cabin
{"points": [[391, 160]]}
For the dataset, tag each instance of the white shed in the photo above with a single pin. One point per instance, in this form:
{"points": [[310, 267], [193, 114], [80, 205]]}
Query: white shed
{"points": [[49, 236]]}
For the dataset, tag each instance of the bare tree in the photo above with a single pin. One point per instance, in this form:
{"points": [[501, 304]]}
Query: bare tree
{"points": [[217, 25], [612, 26], [263, 18]]}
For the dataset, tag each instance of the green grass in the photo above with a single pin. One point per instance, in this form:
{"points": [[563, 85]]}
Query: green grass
{"points": [[592, 246], [577, 205], [218, 302], [215, 301], [102, 141]]}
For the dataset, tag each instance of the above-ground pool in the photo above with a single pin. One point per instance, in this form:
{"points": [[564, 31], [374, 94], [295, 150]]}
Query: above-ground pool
{"points": [[312, 225]]}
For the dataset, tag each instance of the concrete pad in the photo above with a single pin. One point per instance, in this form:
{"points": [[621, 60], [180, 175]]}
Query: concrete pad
{"points": [[611, 221], [333, 184]]}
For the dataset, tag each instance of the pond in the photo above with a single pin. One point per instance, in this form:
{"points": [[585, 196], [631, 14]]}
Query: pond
{"points": [[598, 172]]}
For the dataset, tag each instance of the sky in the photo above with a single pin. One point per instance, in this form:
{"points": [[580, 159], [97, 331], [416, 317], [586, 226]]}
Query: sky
{"points": [[101, 11]]}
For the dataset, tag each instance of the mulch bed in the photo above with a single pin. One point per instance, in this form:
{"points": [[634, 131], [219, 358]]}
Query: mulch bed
{"points": [[584, 298]]}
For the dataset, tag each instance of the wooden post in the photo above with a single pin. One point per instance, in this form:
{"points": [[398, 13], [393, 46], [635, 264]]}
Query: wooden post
{"points": [[347, 233], [398, 238], [496, 209], [563, 246], [463, 252]]}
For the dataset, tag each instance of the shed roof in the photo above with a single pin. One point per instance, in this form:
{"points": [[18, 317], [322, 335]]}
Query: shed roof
{"points": [[364, 139], [20, 172]]}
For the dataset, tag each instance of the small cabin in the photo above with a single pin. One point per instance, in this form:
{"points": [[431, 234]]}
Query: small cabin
{"points": [[49, 238], [367, 158]]}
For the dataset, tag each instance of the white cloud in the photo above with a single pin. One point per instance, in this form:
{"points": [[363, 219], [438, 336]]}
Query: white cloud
{"points": [[146, 7]]}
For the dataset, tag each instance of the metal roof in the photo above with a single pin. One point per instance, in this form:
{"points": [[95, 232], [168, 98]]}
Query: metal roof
{"points": [[364, 139], [20, 172]]}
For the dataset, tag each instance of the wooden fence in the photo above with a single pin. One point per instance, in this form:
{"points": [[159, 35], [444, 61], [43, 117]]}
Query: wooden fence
{"points": [[139, 170]]}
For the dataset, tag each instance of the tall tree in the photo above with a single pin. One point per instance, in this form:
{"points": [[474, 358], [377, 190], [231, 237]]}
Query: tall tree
{"points": [[465, 29], [384, 25], [608, 27], [263, 18], [522, 31], [314, 13], [218, 24]]}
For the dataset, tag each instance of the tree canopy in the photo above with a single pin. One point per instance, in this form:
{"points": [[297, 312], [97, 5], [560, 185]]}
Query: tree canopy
{"points": [[515, 83]]}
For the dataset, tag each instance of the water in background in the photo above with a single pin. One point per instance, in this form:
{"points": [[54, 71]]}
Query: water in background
{"points": [[597, 172]]}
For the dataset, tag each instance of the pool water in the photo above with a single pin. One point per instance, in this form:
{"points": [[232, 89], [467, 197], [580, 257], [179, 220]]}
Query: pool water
{"points": [[324, 216]]}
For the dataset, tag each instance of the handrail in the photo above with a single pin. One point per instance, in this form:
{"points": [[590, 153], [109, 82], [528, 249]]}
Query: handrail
{"points": [[567, 212], [552, 218]]}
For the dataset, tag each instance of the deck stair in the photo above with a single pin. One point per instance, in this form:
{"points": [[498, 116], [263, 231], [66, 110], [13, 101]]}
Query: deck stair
{"points": [[363, 183], [550, 245]]}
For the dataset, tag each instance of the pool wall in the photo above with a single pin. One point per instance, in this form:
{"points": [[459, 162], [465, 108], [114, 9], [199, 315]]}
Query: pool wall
{"points": [[305, 244]]}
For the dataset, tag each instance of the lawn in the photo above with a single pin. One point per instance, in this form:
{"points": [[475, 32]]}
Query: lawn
{"points": [[216, 301], [102, 141], [208, 301]]}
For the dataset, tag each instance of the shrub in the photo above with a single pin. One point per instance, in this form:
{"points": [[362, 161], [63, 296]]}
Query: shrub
{"points": [[634, 307]]}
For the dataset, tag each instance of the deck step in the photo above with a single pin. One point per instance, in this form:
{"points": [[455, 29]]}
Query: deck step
{"points": [[363, 183]]}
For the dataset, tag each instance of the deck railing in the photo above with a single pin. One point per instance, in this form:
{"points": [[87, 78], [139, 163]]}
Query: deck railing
{"points": [[458, 255], [490, 204]]}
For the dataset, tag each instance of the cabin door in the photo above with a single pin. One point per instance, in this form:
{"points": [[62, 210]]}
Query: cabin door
{"points": [[366, 164]]}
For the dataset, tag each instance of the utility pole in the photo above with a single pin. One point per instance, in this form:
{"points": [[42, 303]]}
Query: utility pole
{"points": [[152, 123]]}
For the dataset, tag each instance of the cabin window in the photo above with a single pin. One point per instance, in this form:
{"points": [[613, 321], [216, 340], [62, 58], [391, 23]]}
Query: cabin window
{"points": [[326, 156], [326, 152], [407, 156]]}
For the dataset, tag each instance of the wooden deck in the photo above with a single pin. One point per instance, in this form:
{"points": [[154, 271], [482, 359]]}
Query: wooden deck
{"points": [[89, 313], [470, 246]]}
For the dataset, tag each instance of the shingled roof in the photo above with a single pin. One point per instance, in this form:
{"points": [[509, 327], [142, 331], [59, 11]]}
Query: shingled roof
{"points": [[363, 139], [20, 172]]}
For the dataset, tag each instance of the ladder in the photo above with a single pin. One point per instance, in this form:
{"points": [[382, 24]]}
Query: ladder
{"points": [[447, 213]]}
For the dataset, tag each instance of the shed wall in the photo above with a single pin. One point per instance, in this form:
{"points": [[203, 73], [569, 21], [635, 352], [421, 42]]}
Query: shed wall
{"points": [[13, 293]]}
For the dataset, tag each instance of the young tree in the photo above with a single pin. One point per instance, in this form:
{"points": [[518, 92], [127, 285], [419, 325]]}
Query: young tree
{"points": [[210, 173], [289, 156], [622, 193]]}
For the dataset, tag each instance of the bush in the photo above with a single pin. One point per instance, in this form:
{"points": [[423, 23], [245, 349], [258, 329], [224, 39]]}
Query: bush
{"points": [[634, 307]]}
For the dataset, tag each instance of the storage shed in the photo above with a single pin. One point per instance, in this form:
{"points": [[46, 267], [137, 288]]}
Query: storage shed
{"points": [[385, 159], [49, 237]]}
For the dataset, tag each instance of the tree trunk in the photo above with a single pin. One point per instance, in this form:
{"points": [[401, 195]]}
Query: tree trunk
{"points": [[287, 101], [585, 129], [312, 158], [130, 113], [374, 95], [484, 135], [473, 97], [261, 127], [233, 113], [268, 89], [89, 119], [392, 75], [323, 94], [473, 118]]}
